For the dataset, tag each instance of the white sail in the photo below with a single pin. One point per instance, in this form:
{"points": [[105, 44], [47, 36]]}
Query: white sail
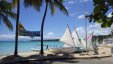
{"points": [[65, 45], [67, 38], [76, 39], [83, 42]]}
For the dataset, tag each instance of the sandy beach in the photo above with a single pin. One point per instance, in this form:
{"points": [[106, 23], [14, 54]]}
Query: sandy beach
{"points": [[27, 54], [35, 56], [108, 60], [49, 58]]}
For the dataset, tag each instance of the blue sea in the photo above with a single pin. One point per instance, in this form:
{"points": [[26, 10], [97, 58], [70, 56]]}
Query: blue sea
{"points": [[7, 47]]}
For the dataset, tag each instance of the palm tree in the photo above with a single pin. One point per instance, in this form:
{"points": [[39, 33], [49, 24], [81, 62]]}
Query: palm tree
{"points": [[16, 2], [5, 13], [37, 5], [18, 24], [52, 4]]}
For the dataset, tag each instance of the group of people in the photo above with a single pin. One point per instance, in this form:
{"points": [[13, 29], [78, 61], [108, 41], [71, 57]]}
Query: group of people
{"points": [[48, 46]]}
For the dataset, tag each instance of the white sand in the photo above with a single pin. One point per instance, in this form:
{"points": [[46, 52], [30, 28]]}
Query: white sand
{"points": [[27, 54]]}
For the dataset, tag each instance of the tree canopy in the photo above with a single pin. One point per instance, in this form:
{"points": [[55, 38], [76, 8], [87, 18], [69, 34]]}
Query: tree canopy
{"points": [[5, 13], [52, 4], [100, 13]]}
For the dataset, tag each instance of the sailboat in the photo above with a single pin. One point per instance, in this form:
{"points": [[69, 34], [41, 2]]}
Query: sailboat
{"points": [[67, 38], [71, 41]]}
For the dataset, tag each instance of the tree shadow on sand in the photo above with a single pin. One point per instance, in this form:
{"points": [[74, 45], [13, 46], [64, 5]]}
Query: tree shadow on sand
{"points": [[37, 59]]}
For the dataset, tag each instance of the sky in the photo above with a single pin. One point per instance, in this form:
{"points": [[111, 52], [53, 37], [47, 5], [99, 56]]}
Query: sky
{"points": [[56, 24]]}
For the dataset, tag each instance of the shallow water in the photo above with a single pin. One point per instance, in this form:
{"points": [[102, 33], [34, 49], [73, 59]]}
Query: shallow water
{"points": [[7, 47]]}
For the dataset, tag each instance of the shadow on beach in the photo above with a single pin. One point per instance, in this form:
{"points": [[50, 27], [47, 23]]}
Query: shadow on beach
{"points": [[37, 59]]}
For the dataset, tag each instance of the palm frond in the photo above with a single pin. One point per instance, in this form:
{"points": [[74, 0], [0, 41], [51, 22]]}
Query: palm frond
{"points": [[21, 26], [4, 5], [11, 14], [59, 4], [0, 18], [14, 3], [7, 22], [5, 13], [52, 7], [34, 3], [61, 1]]}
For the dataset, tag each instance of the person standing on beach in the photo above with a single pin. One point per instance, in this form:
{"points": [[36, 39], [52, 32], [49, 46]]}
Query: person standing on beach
{"points": [[47, 48]]}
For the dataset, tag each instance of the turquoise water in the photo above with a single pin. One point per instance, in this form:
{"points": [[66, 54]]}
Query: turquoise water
{"points": [[7, 47]]}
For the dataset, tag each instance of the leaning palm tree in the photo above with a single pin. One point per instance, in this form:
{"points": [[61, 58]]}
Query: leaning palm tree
{"points": [[52, 3], [5, 13]]}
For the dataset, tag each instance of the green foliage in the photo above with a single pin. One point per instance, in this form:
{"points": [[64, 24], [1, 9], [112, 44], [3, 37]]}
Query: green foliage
{"points": [[100, 11], [14, 3], [21, 26], [36, 4], [59, 5], [6, 12]]}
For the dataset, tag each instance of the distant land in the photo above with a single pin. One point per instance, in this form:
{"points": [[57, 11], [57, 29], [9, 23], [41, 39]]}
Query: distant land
{"points": [[30, 40], [47, 40]]}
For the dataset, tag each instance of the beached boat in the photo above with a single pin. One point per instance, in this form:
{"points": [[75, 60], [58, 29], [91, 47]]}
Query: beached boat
{"points": [[71, 41], [35, 49]]}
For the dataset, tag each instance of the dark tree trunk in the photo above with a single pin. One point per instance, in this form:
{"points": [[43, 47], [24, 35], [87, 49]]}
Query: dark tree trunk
{"points": [[42, 28], [17, 22]]}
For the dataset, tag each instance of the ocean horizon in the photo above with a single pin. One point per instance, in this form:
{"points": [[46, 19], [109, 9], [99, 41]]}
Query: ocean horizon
{"points": [[7, 47]]}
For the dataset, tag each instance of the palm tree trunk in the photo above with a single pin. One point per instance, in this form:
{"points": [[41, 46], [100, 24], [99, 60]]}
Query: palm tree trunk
{"points": [[17, 22], [42, 28]]}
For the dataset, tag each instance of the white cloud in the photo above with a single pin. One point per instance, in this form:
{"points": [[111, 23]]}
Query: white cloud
{"points": [[50, 34], [71, 2], [96, 28], [71, 14], [85, 0], [81, 16], [109, 15], [12, 37], [5, 36], [81, 31]]}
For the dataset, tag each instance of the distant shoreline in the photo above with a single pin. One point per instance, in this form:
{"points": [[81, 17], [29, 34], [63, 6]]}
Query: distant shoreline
{"points": [[47, 40], [31, 40]]}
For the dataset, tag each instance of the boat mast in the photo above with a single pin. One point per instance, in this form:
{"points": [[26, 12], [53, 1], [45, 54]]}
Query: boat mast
{"points": [[77, 35], [85, 26], [71, 34], [86, 34]]}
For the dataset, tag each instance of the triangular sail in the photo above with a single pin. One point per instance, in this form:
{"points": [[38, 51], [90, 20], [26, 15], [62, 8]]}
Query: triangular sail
{"points": [[89, 43], [67, 38], [76, 38]]}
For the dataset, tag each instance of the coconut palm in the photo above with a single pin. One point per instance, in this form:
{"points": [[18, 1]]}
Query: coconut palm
{"points": [[37, 5], [18, 24], [5, 13], [52, 3], [17, 2]]}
